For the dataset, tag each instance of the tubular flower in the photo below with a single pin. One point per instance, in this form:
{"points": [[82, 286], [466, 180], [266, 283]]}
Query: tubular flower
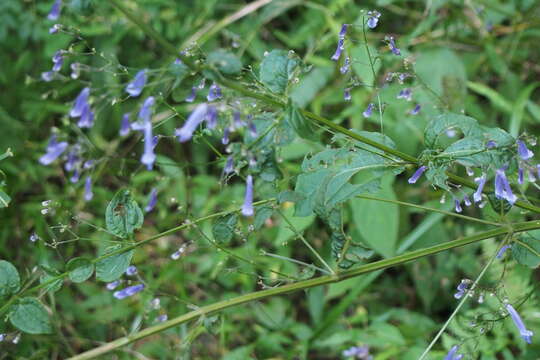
{"points": [[373, 19], [152, 200], [136, 87], [88, 194], [80, 103], [502, 187], [523, 151], [413, 179], [54, 13], [369, 110], [54, 150], [196, 117], [129, 291], [525, 334], [477, 197], [247, 208]]}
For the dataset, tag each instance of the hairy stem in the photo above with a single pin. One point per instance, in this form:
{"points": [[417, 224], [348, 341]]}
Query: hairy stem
{"points": [[301, 285]]}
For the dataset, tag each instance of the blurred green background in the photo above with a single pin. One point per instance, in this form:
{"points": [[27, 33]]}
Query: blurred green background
{"points": [[482, 56]]}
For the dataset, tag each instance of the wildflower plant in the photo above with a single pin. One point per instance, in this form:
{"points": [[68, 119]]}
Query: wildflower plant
{"points": [[246, 180]]}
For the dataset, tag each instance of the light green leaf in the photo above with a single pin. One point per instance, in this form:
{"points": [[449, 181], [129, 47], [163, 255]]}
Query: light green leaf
{"points": [[518, 110], [225, 61], [4, 199], [111, 268], [123, 215], [438, 126], [297, 121], [263, 214], [29, 316], [527, 254], [223, 228], [378, 221], [277, 68], [10, 282], [80, 269]]}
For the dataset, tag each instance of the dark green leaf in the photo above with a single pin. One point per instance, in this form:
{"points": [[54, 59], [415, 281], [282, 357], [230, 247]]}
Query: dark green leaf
{"points": [[225, 61], [264, 213], [123, 215], [111, 268], [80, 269], [277, 68], [299, 123], [223, 228], [442, 123], [50, 273], [527, 254], [29, 316], [10, 282]]}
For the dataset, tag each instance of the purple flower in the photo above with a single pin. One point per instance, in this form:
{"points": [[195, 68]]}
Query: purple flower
{"points": [[34, 237], [237, 120], [113, 285], [347, 94], [211, 117], [369, 110], [148, 156], [129, 291], [452, 354], [146, 110], [54, 13], [392, 46], [416, 110], [135, 87], [191, 97], [491, 144], [343, 31], [88, 194], [88, 164], [405, 94], [131, 270], [252, 129], [502, 251], [532, 178], [462, 288], [80, 102], [47, 76], [72, 159], [345, 68], [214, 92], [525, 334], [339, 50], [225, 138], [75, 177], [477, 197], [87, 117], [152, 200], [502, 187], [196, 117], [55, 28], [247, 208], [413, 179], [162, 318], [58, 60], [229, 165], [520, 175], [523, 151], [54, 150], [466, 200], [373, 19], [125, 125], [457, 204], [75, 70], [359, 352]]}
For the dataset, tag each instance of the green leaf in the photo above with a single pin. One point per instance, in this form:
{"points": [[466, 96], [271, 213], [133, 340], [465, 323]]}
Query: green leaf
{"points": [[263, 213], [223, 228], [310, 84], [527, 254], [111, 268], [225, 61], [29, 316], [4, 199], [277, 68], [10, 282], [437, 176], [123, 215], [297, 121], [518, 110], [80, 269], [438, 126], [378, 221], [51, 273]]}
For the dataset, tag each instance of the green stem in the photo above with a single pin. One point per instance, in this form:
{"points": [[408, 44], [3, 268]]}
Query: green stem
{"points": [[233, 85], [301, 285], [125, 249]]}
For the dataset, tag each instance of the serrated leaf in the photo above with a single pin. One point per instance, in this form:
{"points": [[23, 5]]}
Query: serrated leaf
{"points": [[523, 254], [80, 269], [277, 68], [4, 199], [123, 215], [437, 176], [223, 228], [442, 123], [225, 61], [29, 316], [111, 268], [299, 123], [10, 281]]}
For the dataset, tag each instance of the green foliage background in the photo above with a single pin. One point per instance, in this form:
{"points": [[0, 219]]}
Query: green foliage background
{"points": [[489, 75]]}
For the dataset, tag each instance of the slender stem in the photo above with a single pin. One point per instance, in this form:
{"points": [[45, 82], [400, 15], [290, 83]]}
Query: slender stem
{"points": [[125, 249], [470, 218], [308, 245], [461, 303], [305, 284]]}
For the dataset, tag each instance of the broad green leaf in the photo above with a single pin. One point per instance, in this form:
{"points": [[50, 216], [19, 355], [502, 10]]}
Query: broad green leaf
{"points": [[378, 221], [111, 268], [263, 214], [442, 123], [300, 224], [10, 282], [527, 254], [518, 110], [80, 269], [437, 176], [4, 199], [297, 121], [277, 69], [223, 228], [225, 61], [123, 215], [51, 273], [310, 84], [469, 151], [29, 316]]}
